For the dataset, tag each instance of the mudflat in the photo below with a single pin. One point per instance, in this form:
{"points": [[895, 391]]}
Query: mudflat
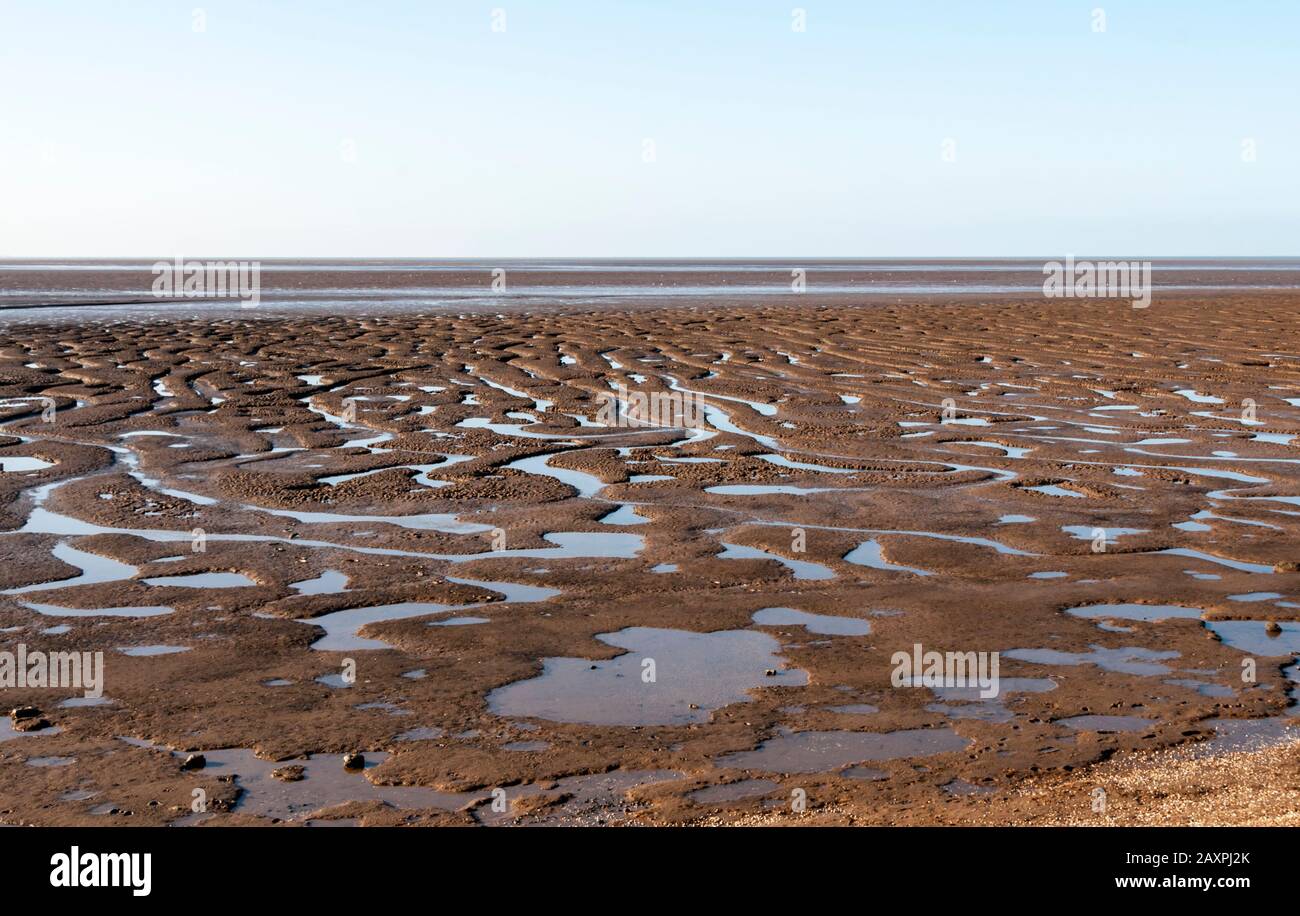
{"points": [[440, 541]]}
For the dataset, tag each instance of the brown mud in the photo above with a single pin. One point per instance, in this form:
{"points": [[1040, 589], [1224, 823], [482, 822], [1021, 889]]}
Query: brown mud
{"points": [[179, 448]]}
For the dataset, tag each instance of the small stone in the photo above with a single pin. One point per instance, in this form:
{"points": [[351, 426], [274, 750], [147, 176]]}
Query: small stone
{"points": [[770, 672], [31, 725], [695, 706], [353, 761], [1286, 566], [194, 762], [292, 773], [1273, 628], [24, 712]]}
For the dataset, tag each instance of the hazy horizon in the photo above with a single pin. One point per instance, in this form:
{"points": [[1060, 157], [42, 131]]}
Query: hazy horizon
{"points": [[777, 261]]}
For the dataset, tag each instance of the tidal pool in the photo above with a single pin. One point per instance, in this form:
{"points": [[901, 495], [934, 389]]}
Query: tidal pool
{"points": [[94, 569], [825, 624], [734, 791], [667, 677], [341, 627], [204, 580], [818, 752], [1051, 489], [325, 784], [1143, 612], [1125, 660], [16, 463], [330, 582], [624, 515], [1107, 723], [801, 569], [869, 553]]}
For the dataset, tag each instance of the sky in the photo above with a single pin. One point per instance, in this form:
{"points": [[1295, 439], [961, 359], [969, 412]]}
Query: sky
{"points": [[620, 128]]}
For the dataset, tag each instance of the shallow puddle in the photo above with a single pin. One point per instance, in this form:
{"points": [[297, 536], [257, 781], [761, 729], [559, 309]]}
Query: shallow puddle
{"points": [[1127, 660], [1052, 489], [444, 523], [734, 791], [702, 670], [865, 773], [784, 462], [1240, 565], [459, 622], [94, 569], [341, 627], [54, 610], [1006, 685], [819, 752], [824, 624], [330, 582], [587, 485], [1105, 724], [624, 515], [1088, 532], [801, 569], [869, 553], [20, 463], [204, 580], [1247, 734], [1253, 637], [1143, 612], [325, 784], [766, 489]]}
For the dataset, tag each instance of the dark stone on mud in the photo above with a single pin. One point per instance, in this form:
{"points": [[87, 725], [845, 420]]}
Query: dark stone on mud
{"points": [[31, 725], [194, 762], [292, 773], [24, 712], [353, 761]]}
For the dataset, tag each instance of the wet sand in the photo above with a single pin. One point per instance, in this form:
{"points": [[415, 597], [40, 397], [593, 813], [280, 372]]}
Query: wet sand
{"points": [[498, 571]]}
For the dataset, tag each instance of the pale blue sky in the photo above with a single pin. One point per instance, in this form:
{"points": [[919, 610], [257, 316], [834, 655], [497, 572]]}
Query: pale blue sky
{"points": [[125, 132]]}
